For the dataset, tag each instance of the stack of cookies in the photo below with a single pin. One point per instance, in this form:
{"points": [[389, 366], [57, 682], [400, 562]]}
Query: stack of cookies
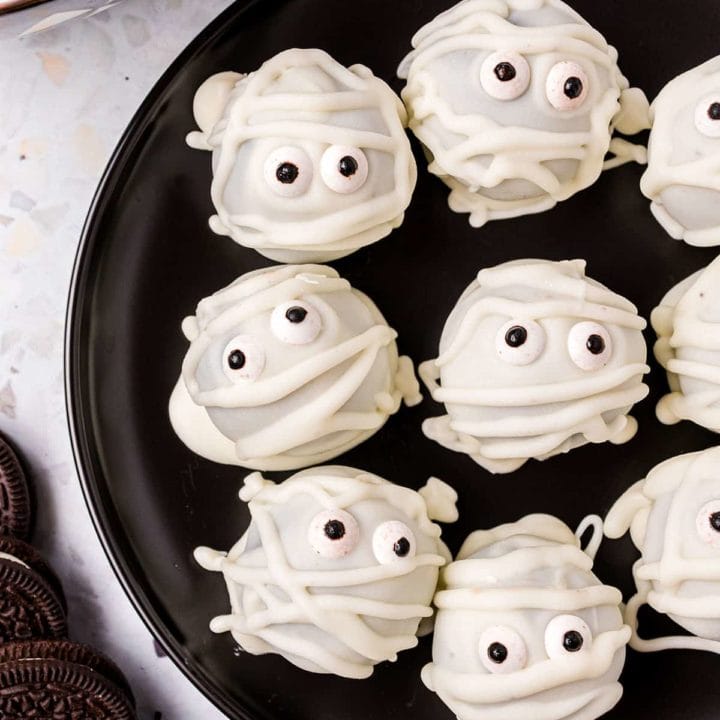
{"points": [[42, 673]]}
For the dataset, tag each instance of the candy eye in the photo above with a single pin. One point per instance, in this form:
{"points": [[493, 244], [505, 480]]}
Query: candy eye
{"points": [[344, 169], [502, 650], [707, 117], [505, 75], [295, 322], [288, 171], [566, 86], [243, 359], [708, 523], [393, 541], [589, 345], [520, 342], [333, 534], [566, 634]]}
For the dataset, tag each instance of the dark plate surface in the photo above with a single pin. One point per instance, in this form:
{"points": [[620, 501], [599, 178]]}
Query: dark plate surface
{"points": [[147, 257]]}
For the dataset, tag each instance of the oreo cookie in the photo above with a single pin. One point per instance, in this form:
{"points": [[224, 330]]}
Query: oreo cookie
{"points": [[27, 554], [29, 607], [70, 652], [15, 504], [59, 690]]}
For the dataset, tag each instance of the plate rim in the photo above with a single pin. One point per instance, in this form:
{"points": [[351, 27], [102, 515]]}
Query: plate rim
{"points": [[81, 437]]}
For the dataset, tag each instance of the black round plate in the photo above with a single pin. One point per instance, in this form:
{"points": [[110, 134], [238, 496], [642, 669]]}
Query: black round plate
{"points": [[147, 257]]}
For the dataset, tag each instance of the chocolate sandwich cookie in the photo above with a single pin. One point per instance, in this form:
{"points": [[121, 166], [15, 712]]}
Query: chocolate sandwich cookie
{"points": [[15, 505], [59, 690], [29, 608], [69, 652], [14, 548]]}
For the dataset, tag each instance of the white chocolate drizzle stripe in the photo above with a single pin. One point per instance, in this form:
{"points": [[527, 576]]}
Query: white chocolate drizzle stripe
{"points": [[298, 130], [221, 312], [537, 525], [699, 607], [306, 648], [254, 283], [323, 229], [591, 703], [488, 30], [685, 569], [337, 491], [535, 311], [488, 571], [696, 370], [595, 430], [497, 599], [581, 414], [360, 606], [274, 388], [328, 578], [533, 395]]}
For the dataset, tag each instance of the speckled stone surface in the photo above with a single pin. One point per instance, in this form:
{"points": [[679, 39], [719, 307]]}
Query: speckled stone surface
{"points": [[67, 95]]}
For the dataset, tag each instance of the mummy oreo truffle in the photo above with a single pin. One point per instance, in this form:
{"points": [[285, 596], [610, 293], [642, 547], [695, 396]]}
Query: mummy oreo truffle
{"points": [[336, 570], [287, 367], [687, 323], [516, 102], [536, 359], [310, 159], [524, 629], [683, 175], [673, 516]]}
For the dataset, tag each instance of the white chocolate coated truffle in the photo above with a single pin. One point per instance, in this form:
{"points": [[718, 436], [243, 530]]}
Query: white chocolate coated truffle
{"points": [[287, 367], [335, 572], [516, 102], [673, 516], [524, 629], [536, 359], [687, 323], [310, 159], [683, 175]]}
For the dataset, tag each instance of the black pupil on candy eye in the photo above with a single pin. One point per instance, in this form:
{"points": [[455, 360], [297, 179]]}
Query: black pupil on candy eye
{"points": [[287, 173], [505, 72], [334, 530], [401, 547], [497, 652], [573, 87], [348, 166], [595, 344], [236, 360], [715, 521], [572, 641], [296, 314], [516, 336], [714, 111]]}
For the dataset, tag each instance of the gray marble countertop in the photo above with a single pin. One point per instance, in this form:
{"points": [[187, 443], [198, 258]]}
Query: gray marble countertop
{"points": [[67, 95]]}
